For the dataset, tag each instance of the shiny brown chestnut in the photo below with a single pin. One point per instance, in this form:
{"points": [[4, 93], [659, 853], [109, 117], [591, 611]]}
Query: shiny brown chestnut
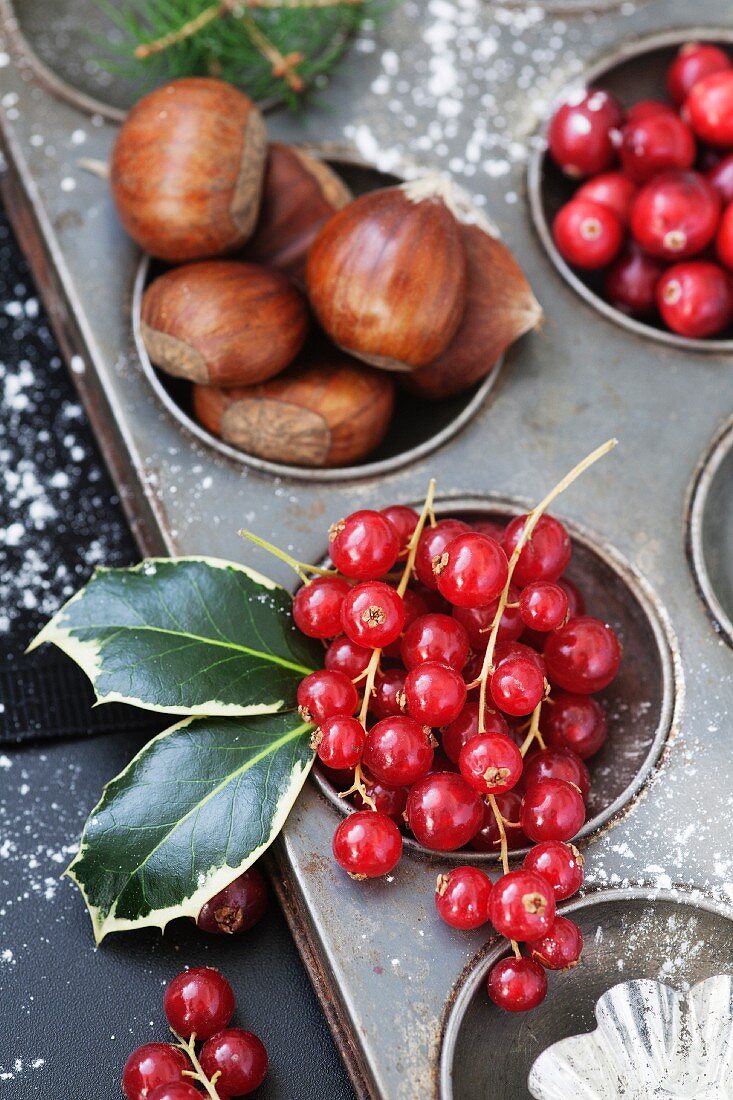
{"points": [[187, 169], [329, 412], [222, 322]]}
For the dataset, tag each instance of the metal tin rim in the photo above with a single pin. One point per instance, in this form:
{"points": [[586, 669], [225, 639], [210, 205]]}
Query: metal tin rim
{"points": [[536, 161], [703, 479], [475, 972], [671, 669]]}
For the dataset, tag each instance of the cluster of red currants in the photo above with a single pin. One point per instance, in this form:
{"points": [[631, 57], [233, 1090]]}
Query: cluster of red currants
{"points": [[656, 207], [476, 664], [199, 1005]]}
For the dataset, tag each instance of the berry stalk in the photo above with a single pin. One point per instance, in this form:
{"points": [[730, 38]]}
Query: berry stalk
{"points": [[197, 1074], [302, 568]]}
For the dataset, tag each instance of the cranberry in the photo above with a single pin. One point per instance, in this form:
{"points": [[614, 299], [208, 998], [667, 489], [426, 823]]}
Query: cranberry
{"points": [[433, 542], [324, 693], [561, 948], [561, 864], [724, 239], [522, 905], [645, 108], [631, 282], [611, 189], [552, 810], [435, 637], [695, 299], [387, 695], [721, 177], [346, 656], [580, 137], [583, 656], [339, 742], [236, 908], [471, 571], [240, 1058], [152, 1065], [462, 897], [317, 607], [479, 620], [543, 606], [709, 109], [491, 763], [675, 215], [199, 1001], [434, 693], [575, 722], [694, 61], [556, 763], [545, 556], [587, 234], [444, 812], [367, 844], [517, 985], [404, 520], [655, 144], [488, 838], [390, 801], [176, 1090], [364, 545], [398, 751], [458, 732], [517, 684]]}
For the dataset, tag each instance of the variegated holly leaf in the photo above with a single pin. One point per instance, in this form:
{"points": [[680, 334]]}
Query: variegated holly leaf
{"points": [[186, 636], [199, 804]]}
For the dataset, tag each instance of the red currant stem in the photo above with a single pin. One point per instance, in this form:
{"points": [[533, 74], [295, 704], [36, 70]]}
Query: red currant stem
{"points": [[427, 512], [534, 730], [302, 568], [515, 948], [502, 833], [197, 1074], [532, 520], [359, 786]]}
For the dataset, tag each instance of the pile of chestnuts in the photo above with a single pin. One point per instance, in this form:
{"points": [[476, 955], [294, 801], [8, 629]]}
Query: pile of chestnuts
{"points": [[293, 309]]}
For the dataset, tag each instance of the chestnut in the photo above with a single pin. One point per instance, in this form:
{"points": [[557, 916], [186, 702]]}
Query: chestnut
{"points": [[187, 169], [386, 275], [326, 412], [299, 195], [223, 322]]}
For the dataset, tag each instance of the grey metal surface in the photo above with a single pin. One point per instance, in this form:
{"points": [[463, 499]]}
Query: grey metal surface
{"points": [[463, 85]]}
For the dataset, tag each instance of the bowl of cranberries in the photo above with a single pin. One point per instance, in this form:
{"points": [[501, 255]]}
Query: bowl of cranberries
{"points": [[632, 191]]}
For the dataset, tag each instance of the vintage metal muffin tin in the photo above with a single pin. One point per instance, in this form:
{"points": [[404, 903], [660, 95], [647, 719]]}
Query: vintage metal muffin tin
{"points": [[653, 525]]}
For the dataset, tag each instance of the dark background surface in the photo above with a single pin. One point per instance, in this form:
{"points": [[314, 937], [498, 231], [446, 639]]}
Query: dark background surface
{"points": [[71, 1013]]}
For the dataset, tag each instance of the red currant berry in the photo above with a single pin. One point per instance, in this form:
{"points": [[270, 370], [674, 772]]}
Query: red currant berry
{"points": [[415, 607], [387, 697], [404, 520], [721, 177], [517, 685], [458, 732], [390, 801], [575, 722], [491, 763], [323, 694], [611, 189], [236, 908], [199, 1001], [694, 61], [522, 906], [471, 571], [435, 637], [367, 844], [561, 948], [631, 282], [488, 838], [724, 239], [583, 656], [240, 1058], [556, 763], [443, 811], [561, 864], [587, 234], [675, 215], [545, 556], [433, 542], [346, 656], [462, 897], [177, 1090], [152, 1065], [580, 137], [364, 545], [434, 693], [552, 810], [317, 607], [645, 108], [479, 620], [654, 144], [708, 109], [576, 602], [543, 606], [695, 299], [517, 985], [339, 742], [373, 614], [491, 527], [398, 751]]}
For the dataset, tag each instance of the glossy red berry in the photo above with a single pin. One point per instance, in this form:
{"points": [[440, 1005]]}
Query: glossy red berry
{"points": [[364, 545], [241, 1059], [631, 282], [339, 742], [367, 844], [478, 621], [695, 299], [581, 134], [545, 556], [373, 614], [574, 722], [462, 897], [404, 520], [522, 906], [435, 637], [387, 697], [721, 177], [491, 763], [443, 811], [724, 238], [611, 189], [517, 685], [675, 215], [517, 985], [325, 693], [390, 801], [654, 144], [150, 1066], [587, 234], [458, 732], [471, 571], [199, 1001], [552, 810], [560, 864], [694, 61], [557, 763], [415, 606], [433, 542], [561, 948], [583, 656], [576, 602], [346, 656], [236, 908], [434, 693], [645, 108], [317, 607], [488, 838], [177, 1090], [708, 109], [543, 606], [398, 751]]}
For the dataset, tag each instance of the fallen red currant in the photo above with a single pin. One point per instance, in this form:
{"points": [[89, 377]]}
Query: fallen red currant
{"points": [[631, 282], [434, 693], [694, 61], [517, 985], [462, 897], [367, 844], [373, 614], [239, 1057], [491, 763], [364, 545], [552, 810], [575, 722], [587, 234], [325, 693], [561, 947], [675, 215], [583, 656], [398, 751], [545, 556], [611, 189], [560, 864], [471, 571], [708, 109], [465, 726], [152, 1065], [443, 811], [317, 607], [199, 1002], [236, 908], [435, 637], [654, 144], [522, 905], [339, 742], [695, 299], [557, 763], [543, 606], [580, 137]]}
